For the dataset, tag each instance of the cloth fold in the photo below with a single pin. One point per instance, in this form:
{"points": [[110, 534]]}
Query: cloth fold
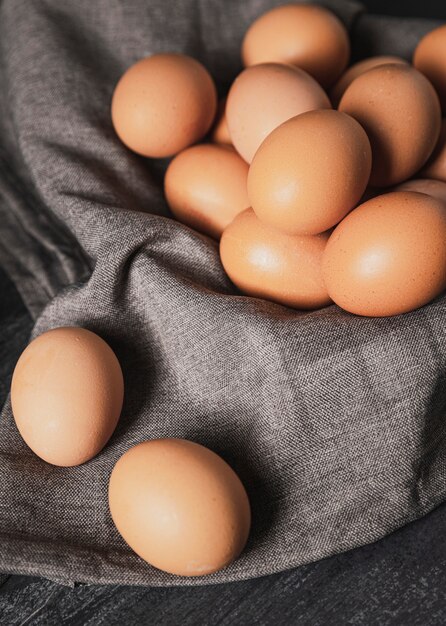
{"points": [[334, 423]]}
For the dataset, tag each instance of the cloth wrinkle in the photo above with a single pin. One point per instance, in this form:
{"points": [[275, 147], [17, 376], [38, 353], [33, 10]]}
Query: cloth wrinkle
{"points": [[333, 422]]}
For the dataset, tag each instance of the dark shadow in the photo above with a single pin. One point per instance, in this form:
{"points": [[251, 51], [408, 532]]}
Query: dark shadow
{"points": [[264, 490]]}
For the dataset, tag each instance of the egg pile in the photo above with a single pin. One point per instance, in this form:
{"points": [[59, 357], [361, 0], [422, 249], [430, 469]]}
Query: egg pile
{"points": [[307, 179], [303, 175]]}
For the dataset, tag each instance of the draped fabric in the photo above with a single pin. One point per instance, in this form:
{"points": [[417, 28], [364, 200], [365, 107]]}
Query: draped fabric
{"points": [[334, 423]]}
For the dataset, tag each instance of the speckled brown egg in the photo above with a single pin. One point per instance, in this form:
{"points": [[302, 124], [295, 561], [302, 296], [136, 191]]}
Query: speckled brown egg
{"points": [[430, 59], [309, 37], [220, 132], [264, 96], [66, 395], [388, 256], [310, 172], [179, 506], [400, 112], [436, 166], [163, 104], [206, 187], [265, 263], [355, 70], [435, 188]]}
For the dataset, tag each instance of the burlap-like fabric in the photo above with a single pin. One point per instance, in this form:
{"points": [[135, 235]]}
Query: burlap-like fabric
{"points": [[335, 423]]}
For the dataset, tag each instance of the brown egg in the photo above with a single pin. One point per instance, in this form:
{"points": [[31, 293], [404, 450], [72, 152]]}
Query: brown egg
{"points": [[206, 187], [163, 104], [220, 133], [264, 96], [400, 112], [435, 188], [66, 395], [179, 506], [430, 59], [436, 166], [388, 256], [337, 91], [309, 37], [265, 263], [310, 172]]}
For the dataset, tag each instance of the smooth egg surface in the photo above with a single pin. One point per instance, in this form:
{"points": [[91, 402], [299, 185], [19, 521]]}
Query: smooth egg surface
{"points": [[265, 263], [388, 256], [310, 172], [206, 187], [400, 112], [431, 187], [264, 96], [66, 394], [162, 104], [179, 506], [430, 59], [309, 37], [355, 70]]}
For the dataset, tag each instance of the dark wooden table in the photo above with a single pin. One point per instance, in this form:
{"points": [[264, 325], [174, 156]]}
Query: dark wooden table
{"points": [[398, 580]]}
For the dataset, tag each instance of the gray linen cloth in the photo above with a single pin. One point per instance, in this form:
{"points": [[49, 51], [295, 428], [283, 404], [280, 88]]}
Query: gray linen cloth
{"points": [[335, 423]]}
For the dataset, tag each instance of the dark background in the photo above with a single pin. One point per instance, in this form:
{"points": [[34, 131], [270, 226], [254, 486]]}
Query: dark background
{"points": [[426, 8], [398, 580]]}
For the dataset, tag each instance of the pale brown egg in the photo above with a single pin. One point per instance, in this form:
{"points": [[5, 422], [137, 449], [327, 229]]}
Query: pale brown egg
{"points": [[163, 104], [388, 256], [206, 187], [309, 37], [436, 166], [400, 112], [264, 96], [265, 263], [66, 395], [430, 59], [435, 188], [220, 132], [355, 70], [310, 172], [179, 506]]}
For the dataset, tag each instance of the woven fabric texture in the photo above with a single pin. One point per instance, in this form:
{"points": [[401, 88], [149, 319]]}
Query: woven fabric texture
{"points": [[334, 423]]}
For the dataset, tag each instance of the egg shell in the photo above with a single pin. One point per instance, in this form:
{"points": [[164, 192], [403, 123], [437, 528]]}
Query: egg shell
{"points": [[310, 172], [179, 506], [264, 96], [206, 187], [309, 37], [66, 394], [388, 256], [436, 166], [435, 188], [163, 104], [400, 112], [220, 132], [355, 70], [430, 59], [265, 263]]}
